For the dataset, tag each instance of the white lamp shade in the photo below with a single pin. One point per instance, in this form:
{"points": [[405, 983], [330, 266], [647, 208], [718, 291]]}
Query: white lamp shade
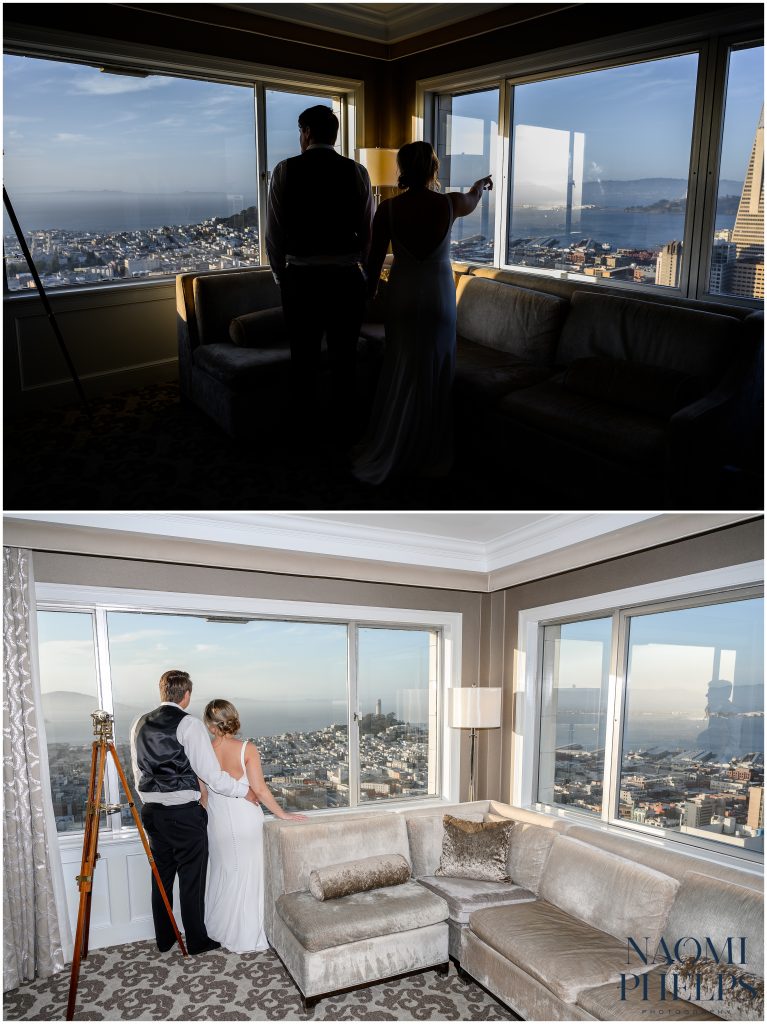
{"points": [[381, 165], [475, 707]]}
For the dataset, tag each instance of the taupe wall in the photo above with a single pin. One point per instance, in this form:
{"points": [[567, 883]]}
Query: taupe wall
{"points": [[489, 620], [731, 546]]}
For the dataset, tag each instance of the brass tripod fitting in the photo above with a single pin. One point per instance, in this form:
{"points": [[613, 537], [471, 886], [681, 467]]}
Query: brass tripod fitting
{"points": [[102, 725]]}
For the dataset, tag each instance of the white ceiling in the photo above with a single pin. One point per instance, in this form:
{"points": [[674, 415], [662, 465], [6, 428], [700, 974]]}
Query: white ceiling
{"points": [[475, 542], [380, 23]]}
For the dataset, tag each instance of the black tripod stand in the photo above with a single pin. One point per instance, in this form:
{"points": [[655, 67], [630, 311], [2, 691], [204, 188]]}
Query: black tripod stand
{"points": [[102, 728], [46, 304]]}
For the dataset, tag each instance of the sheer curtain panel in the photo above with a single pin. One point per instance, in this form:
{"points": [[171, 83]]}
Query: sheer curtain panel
{"points": [[32, 945]]}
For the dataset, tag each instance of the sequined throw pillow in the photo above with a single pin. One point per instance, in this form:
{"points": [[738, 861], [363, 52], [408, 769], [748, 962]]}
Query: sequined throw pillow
{"points": [[358, 876], [475, 849], [723, 989]]}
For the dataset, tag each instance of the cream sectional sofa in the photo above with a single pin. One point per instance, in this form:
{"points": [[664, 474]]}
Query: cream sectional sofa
{"points": [[552, 944]]}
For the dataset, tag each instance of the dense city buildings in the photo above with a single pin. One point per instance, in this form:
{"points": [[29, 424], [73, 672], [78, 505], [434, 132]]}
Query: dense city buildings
{"points": [[304, 770], [676, 789]]}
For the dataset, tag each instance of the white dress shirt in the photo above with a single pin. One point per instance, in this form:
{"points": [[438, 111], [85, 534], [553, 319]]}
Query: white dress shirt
{"points": [[275, 232], [195, 739]]}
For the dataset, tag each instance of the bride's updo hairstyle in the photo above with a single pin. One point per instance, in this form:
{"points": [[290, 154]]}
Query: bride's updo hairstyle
{"points": [[223, 717], [418, 166]]}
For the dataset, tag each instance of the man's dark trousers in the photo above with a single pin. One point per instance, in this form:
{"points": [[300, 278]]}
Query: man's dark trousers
{"points": [[330, 301], [178, 838]]}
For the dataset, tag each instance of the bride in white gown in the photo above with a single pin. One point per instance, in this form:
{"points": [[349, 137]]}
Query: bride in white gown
{"points": [[234, 893], [410, 428]]}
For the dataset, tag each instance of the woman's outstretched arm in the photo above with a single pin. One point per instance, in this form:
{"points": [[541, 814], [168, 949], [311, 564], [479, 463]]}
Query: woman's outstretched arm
{"points": [[258, 784], [378, 246], [465, 203]]}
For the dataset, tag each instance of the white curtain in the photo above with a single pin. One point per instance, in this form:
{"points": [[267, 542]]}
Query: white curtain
{"points": [[32, 876]]}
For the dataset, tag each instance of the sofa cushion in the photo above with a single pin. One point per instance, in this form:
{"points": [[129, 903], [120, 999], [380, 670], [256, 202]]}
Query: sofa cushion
{"points": [[241, 368], [465, 895], [338, 880], [363, 915], [482, 372], [616, 895], [520, 321], [528, 851], [307, 847], [218, 298], [592, 424], [707, 907], [475, 849], [262, 329], [653, 390], [564, 954], [641, 997], [687, 340]]}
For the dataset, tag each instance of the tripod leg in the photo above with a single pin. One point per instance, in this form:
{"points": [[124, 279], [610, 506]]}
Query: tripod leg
{"points": [[145, 841], [85, 879]]}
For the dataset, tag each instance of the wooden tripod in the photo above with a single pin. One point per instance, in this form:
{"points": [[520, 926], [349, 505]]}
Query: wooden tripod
{"points": [[102, 728]]}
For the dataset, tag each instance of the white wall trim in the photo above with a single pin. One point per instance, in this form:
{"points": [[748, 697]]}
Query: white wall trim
{"points": [[527, 668], [555, 543]]}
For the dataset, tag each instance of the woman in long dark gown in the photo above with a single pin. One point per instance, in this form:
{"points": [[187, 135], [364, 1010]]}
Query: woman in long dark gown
{"points": [[409, 430]]}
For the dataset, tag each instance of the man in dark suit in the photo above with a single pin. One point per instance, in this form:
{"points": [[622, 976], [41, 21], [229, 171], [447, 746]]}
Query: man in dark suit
{"points": [[171, 751], [318, 236]]}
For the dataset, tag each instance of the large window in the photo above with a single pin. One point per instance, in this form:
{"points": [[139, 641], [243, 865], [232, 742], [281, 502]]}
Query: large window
{"points": [[118, 177], [737, 253], [617, 171], [600, 163], [343, 712], [655, 716]]}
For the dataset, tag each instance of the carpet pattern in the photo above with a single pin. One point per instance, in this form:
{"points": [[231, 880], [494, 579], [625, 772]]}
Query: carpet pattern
{"points": [[147, 450], [134, 982]]}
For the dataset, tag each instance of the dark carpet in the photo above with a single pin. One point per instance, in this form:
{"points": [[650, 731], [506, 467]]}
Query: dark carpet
{"points": [[134, 982], [147, 450]]}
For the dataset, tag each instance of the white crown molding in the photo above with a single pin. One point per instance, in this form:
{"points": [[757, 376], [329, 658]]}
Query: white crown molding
{"points": [[361, 20], [556, 543], [554, 532]]}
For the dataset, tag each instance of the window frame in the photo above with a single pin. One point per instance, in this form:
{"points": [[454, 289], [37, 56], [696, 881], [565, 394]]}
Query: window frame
{"points": [[713, 587], [347, 94], [711, 38], [99, 601]]}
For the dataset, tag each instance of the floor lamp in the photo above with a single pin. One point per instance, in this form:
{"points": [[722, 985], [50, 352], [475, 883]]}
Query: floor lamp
{"points": [[475, 707], [381, 165]]}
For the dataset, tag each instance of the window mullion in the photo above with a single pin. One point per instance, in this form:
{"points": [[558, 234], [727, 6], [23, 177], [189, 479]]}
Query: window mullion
{"points": [[353, 729], [259, 99], [106, 701], [615, 704]]}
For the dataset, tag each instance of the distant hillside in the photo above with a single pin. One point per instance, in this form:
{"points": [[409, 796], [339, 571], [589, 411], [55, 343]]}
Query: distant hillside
{"points": [[244, 219], [639, 193]]}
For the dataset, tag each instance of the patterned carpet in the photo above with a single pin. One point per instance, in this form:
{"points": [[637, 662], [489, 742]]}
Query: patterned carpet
{"points": [[147, 450], [134, 982]]}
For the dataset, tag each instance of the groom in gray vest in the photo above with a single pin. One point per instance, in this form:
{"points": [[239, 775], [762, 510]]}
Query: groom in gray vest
{"points": [[171, 751], [317, 237]]}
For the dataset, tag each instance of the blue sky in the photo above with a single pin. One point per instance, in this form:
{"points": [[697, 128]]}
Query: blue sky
{"points": [[260, 660], [71, 127]]}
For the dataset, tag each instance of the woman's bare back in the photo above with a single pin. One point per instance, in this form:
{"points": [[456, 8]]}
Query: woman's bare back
{"points": [[228, 752], [419, 220]]}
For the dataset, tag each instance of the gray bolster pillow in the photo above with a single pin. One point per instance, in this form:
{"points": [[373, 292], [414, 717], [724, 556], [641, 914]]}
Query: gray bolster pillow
{"points": [[358, 876]]}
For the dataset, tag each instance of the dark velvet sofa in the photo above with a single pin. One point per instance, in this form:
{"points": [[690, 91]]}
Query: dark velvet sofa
{"points": [[647, 400]]}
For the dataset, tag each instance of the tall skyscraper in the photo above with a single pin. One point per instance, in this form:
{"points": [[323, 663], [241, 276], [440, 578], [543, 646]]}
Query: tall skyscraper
{"points": [[745, 276], [668, 263]]}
